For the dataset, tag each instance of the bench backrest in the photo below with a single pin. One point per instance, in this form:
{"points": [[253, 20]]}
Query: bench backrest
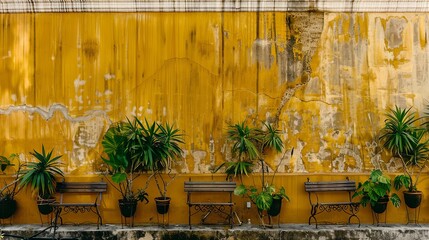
{"points": [[81, 187], [330, 186], [210, 186], [313, 188]]}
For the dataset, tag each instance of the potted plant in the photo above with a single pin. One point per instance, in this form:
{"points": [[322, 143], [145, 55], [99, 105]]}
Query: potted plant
{"points": [[9, 190], [244, 150], [406, 141], [123, 165], [248, 146], [376, 191], [157, 150], [40, 177]]}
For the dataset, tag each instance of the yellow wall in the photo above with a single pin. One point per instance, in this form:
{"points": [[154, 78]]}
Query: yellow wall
{"points": [[324, 78]]}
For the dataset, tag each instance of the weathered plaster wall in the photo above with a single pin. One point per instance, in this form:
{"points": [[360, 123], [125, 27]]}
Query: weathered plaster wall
{"points": [[324, 78]]}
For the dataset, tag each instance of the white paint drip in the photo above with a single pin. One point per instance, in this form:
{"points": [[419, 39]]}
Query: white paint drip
{"points": [[78, 83], [49, 112], [24, 99]]}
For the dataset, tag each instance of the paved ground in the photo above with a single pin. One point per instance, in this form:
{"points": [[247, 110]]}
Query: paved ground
{"points": [[287, 231]]}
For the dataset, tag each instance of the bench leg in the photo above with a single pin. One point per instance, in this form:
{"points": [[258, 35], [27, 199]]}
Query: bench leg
{"points": [[313, 215], [189, 217], [99, 220], [353, 214], [230, 216]]}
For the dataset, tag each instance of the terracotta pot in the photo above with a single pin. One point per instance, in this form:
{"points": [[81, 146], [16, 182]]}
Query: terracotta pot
{"points": [[413, 199], [162, 204]]}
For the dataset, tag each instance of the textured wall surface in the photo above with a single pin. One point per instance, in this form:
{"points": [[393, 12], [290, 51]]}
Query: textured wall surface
{"points": [[324, 78]]}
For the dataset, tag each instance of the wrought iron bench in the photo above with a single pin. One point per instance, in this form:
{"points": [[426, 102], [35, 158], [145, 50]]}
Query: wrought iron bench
{"points": [[76, 207], [318, 206], [223, 208]]}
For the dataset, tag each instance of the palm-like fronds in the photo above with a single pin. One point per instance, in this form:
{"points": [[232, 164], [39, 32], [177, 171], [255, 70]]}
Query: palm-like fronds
{"points": [[419, 152], [397, 132], [272, 139], [40, 175], [135, 146], [244, 139]]}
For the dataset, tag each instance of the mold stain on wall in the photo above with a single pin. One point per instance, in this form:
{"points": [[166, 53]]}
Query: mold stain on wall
{"points": [[324, 79]]}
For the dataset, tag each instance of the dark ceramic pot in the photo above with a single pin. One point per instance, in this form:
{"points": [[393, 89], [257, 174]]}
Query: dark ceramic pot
{"points": [[413, 199], [275, 208], [128, 208], [381, 205], [162, 204], [7, 208], [45, 205]]}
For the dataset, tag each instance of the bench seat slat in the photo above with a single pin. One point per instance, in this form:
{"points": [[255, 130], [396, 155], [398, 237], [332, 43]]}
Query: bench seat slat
{"points": [[74, 204], [210, 183], [89, 187], [327, 189], [211, 203], [76, 190], [206, 189], [338, 203]]}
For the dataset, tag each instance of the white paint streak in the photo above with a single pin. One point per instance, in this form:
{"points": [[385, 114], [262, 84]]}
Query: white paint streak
{"points": [[78, 83], [47, 113], [24, 99]]}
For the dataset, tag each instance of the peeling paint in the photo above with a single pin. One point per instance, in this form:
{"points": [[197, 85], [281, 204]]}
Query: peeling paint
{"points": [[199, 164]]}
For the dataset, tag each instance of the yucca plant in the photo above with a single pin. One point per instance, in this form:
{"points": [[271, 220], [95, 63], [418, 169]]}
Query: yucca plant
{"points": [[40, 175], [244, 150], [249, 144], [406, 141], [159, 148], [134, 147]]}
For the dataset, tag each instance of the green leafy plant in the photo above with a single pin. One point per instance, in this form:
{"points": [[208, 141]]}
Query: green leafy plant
{"points": [[9, 190], [5, 162], [244, 150], [135, 147], [262, 198], [40, 175], [406, 141], [249, 144], [157, 147], [377, 186], [123, 166]]}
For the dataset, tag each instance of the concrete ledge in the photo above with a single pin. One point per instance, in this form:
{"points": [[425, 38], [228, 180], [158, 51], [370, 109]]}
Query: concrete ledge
{"points": [[286, 231]]}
